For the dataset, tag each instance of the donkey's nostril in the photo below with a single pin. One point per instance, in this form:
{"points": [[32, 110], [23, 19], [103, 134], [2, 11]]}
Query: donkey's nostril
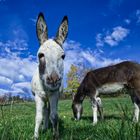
{"points": [[40, 55], [49, 80], [54, 77], [58, 79]]}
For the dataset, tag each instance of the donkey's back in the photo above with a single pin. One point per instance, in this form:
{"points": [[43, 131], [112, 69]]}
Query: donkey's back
{"points": [[125, 72]]}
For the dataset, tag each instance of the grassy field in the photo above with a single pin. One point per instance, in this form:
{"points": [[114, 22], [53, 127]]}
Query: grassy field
{"points": [[17, 122]]}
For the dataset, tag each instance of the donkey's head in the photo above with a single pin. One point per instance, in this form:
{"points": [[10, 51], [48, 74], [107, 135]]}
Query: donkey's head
{"points": [[51, 54], [77, 110]]}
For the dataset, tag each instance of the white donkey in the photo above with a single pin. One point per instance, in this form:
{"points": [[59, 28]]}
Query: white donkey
{"points": [[47, 80]]}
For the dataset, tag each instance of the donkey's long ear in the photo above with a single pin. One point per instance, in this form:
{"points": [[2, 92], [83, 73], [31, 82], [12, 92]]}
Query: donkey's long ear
{"points": [[41, 29], [62, 31]]}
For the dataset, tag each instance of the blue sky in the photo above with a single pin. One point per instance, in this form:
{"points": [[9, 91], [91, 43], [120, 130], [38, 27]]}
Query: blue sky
{"points": [[101, 32]]}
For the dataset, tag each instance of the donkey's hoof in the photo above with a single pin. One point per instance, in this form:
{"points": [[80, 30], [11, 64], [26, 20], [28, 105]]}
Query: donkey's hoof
{"points": [[135, 120]]}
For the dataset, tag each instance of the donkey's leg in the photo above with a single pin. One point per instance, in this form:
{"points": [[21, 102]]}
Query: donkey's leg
{"points": [[135, 96], [46, 113], [39, 115], [136, 112], [100, 107], [94, 109], [53, 114]]}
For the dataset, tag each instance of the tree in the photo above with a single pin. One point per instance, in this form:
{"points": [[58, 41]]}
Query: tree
{"points": [[74, 78], [72, 81]]}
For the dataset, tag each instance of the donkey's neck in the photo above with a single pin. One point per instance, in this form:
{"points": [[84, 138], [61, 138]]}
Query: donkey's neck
{"points": [[78, 98]]}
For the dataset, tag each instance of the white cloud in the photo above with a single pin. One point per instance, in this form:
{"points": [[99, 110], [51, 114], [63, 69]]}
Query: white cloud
{"points": [[89, 57], [119, 33], [77, 55], [112, 38], [13, 47], [16, 68], [70, 45], [16, 65], [72, 50], [138, 16], [5, 81], [127, 21], [13, 70], [23, 87], [99, 42], [96, 60], [110, 41]]}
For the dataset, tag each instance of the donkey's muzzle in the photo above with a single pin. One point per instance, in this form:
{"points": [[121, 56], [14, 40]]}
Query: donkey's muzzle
{"points": [[53, 78]]}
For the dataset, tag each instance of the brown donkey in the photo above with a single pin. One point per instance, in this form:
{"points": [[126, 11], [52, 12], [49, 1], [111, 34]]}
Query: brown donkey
{"points": [[108, 80]]}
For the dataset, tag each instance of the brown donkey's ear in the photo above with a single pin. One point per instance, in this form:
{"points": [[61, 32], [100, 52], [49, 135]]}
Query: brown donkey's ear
{"points": [[41, 29], [62, 31]]}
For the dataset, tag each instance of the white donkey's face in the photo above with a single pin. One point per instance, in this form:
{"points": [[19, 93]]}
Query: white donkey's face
{"points": [[51, 54]]}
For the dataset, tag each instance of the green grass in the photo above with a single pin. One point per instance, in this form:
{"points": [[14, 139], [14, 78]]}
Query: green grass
{"points": [[17, 122]]}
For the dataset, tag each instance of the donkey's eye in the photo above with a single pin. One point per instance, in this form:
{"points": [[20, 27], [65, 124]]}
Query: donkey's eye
{"points": [[40, 55], [63, 56]]}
